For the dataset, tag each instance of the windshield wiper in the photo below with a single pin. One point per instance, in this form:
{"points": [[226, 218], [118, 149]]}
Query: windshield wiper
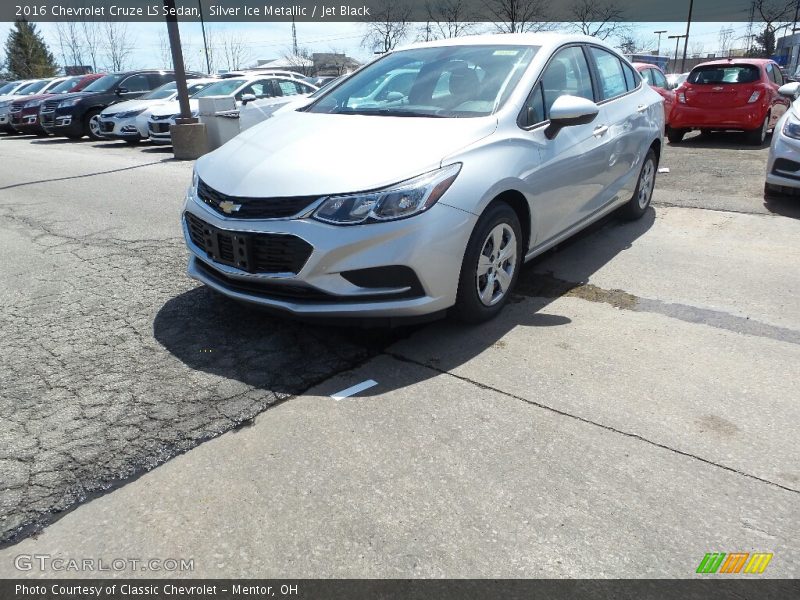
{"points": [[387, 112]]}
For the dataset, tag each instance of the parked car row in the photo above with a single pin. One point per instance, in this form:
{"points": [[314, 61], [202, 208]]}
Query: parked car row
{"points": [[131, 105]]}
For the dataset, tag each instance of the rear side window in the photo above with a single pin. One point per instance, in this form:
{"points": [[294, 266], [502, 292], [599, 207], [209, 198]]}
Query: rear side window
{"points": [[631, 81], [612, 78], [716, 74]]}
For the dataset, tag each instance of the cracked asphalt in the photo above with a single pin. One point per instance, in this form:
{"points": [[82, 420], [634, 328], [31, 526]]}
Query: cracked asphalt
{"points": [[632, 409]]}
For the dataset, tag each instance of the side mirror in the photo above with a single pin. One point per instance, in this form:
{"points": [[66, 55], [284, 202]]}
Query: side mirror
{"points": [[248, 98], [121, 90], [569, 111], [395, 96], [790, 90]]}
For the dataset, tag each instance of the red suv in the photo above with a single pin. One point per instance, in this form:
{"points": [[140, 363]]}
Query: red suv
{"points": [[24, 112], [735, 94]]}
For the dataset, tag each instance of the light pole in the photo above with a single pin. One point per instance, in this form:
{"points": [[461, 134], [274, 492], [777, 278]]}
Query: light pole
{"points": [[677, 39], [205, 41], [686, 40], [658, 33]]}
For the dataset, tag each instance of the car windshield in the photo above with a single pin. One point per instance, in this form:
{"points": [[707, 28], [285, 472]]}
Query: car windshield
{"points": [[104, 84], [450, 81], [165, 91], [716, 74], [65, 85], [196, 87], [7, 88], [226, 87], [34, 87]]}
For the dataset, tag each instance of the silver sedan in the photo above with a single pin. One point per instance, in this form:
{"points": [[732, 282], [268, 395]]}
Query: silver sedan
{"points": [[423, 182]]}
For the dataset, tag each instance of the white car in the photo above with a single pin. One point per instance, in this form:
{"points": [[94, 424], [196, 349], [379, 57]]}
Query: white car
{"points": [[501, 147], [242, 89], [783, 164], [128, 120]]}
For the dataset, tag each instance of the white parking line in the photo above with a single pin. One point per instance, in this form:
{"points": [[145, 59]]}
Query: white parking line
{"points": [[360, 387]]}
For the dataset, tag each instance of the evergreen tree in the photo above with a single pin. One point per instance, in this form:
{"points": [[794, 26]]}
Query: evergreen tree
{"points": [[27, 55]]}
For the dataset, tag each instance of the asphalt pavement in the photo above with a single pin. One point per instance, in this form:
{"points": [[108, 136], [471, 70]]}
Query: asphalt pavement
{"points": [[634, 407]]}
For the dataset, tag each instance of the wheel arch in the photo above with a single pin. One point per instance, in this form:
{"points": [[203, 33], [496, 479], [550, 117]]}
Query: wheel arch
{"points": [[519, 204]]}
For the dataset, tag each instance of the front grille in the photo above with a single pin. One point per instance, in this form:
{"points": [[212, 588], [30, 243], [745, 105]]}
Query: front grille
{"points": [[106, 126], [17, 107], [159, 127], [251, 252], [254, 208], [50, 106]]}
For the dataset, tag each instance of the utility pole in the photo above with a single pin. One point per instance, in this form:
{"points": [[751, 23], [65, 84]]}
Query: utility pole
{"points": [[686, 39], [177, 60], [658, 33], [205, 40], [294, 37], [677, 39]]}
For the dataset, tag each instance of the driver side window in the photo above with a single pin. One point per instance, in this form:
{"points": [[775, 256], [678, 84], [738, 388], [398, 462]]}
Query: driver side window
{"points": [[566, 74], [136, 83]]}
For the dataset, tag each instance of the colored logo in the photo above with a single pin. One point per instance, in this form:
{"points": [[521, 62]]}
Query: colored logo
{"points": [[735, 562]]}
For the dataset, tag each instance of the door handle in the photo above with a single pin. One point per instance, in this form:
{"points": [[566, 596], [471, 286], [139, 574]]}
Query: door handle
{"points": [[641, 108], [600, 131]]}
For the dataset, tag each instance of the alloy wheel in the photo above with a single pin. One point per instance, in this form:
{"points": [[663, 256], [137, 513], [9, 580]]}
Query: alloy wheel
{"points": [[646, 184]]}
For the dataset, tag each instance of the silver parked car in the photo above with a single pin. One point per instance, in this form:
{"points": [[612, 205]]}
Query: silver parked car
{"points": [[783, 164], [430, 196]]}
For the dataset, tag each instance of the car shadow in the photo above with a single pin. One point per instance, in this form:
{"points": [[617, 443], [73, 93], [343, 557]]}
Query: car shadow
{"points": [[784, 205], [720, 140], [211, 333], [58, 140]]}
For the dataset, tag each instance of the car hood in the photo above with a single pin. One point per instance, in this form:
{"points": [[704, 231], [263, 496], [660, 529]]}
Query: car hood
{"points": [[129, 105], [173, 107], [304, 154]]}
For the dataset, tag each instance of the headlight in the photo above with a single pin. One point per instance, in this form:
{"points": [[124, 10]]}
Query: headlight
{"points": [[195, 182], [32, 103], [398, 201], [791, 128], [69, 102], [5, 104]]}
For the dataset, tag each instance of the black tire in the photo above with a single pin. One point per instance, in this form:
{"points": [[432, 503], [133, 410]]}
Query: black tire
{"points": [[87, 128], [757, 136], [638, 204], [469, 307], [675, 136]]}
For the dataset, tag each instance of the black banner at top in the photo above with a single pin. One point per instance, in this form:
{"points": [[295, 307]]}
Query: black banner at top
{"points": [[526, 12]]}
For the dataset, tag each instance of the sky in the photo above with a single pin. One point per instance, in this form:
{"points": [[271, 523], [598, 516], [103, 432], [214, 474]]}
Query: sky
{"points": [[274, 40]]}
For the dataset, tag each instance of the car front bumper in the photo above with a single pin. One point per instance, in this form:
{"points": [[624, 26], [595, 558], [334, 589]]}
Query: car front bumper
{"points": [[783, 164], [62, 121], [122, 129], [424, 252], [158, 131], [739, 118]]}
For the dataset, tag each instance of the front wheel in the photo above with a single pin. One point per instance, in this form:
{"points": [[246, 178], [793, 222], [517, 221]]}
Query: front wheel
{"points": [[757, 136], [640, 201], [491, 265], [92, 128]]}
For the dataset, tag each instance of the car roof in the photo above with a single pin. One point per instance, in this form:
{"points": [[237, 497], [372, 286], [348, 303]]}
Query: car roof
{"points": [[547, 40], [641, 65], [735, 61]]}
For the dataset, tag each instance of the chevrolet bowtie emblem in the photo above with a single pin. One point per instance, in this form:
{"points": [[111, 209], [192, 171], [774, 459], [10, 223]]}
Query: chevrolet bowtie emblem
{"points": [[229, 207]]}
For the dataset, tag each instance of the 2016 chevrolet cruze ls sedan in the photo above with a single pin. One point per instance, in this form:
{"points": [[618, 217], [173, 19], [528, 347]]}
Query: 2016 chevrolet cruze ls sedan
{"points": [[475, 155]]}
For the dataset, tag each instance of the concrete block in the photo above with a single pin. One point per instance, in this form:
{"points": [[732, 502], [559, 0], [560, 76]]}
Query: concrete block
{"points": [[189, 141]]}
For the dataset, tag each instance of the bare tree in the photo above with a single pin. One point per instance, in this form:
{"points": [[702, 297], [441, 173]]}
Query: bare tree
{"points": [[696, 49], [447, 19], [631, 43], [390, 26], [92, 41], [725, 41], [164, 51], [234, 49], [772, 12], [302, 62], [69, 40], [117, 45], [598, 18], [519, 16]]}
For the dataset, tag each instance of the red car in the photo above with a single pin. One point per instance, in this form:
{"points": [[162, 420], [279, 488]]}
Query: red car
{"points": [[24, 112], [738, 94], [658, 81]]}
